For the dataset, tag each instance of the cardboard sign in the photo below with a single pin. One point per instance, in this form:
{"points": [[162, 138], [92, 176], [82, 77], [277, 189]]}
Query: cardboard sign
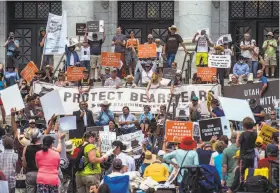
{"points": [[176, 130], [67, 123], [266, 134], [224, 38], [110, 59], [206, 73], [147, 51], [95, 26], [107, 138], [56, 137], [169, 73], [29, 71], [219, 61], [75, 73], [209, 128], [80, 29]]}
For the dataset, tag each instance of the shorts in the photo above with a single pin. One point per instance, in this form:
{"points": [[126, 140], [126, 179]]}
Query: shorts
{"points": [[95, 61], [1, 103], [203, 56], [270, 61]]}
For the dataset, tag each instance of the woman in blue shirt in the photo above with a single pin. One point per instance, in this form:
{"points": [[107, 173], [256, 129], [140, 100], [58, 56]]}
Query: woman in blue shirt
{"points": [[145, 118], [2, 87], [10, 75]]}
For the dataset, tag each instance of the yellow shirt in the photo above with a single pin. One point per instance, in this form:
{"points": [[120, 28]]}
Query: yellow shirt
{"points": [[270, 51], [157, 172]]}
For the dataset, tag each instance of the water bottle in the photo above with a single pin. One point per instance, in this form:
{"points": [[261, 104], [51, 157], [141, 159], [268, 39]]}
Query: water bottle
{"points": [[81, 164]]}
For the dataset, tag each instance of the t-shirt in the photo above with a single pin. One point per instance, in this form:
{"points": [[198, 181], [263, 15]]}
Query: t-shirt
{"points": [[247, 142], [95, 46], [30, 153], [246, 53], [172, 43], [258, 109], [123, 157], [157, 172], [263, 79], [228, 52], [118, 47], [202, 44], [85, 54], [228, 153], [85, 82], [270, 51], [12, 47], [204, 156]]}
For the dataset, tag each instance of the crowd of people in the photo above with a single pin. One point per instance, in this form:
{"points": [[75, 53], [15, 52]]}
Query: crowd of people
{"points": [[51, 161]]}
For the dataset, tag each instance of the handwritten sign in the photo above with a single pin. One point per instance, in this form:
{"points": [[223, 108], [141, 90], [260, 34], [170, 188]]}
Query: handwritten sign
{"points": [[80, 29], [266, 134], [95, 26], [219, 61], [206, 73], [147, 51], [169, 73], [209, 128], [176, 130], [75, 73], [107, 138], [110, 59], [77, 141], [29, 71]]}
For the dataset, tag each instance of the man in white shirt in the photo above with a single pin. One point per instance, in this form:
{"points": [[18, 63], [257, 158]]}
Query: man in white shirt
{"points": [[147, 72], [130, 160], [85, 56], [247, 47]]}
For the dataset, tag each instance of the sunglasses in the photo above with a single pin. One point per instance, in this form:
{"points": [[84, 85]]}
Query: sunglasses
{"points": [[173, 28], [23, 83]]}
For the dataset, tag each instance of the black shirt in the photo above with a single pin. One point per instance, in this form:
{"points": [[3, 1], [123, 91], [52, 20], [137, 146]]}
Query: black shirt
{"points": [[204, 156], [258, 109], [85, 82], [30, 154], [95, 46], [40, 38], [247, 142], [172, 43]]}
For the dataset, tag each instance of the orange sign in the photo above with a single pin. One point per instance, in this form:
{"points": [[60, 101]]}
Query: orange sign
{"points": [[110, 59], [29, 71], [176, 130], [206, 73], [75, 73], [147, 51]]}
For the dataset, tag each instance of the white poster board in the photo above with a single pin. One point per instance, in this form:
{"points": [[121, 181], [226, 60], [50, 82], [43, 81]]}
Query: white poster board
{"points": [[221, 39], [12, 98], [107, 138], [219, 61], [226, 127], [68, 123], [236, 109]]}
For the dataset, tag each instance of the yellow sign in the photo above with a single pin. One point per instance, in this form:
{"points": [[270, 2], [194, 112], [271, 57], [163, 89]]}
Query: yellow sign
{"points": [[266, 134], [77, 142]]}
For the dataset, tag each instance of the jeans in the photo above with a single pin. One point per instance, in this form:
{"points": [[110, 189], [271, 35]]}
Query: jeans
{"points": [[254, 68], [221, 74], [170, 59], [138, 78], [126, 131], [86, 63], [30, 182]]}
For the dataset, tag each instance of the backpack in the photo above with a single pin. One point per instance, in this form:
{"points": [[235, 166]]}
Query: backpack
{"points": [[256, 184], [79, 156]]}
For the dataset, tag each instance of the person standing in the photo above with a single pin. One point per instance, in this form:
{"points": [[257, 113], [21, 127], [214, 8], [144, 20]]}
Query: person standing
{"points": [[127, 121], [171, 46], [12, 44], [270, 46], [85, 56], [255, 59], [95, 52], [131, 52], [47, 59], [10, 75], [246, 47]]}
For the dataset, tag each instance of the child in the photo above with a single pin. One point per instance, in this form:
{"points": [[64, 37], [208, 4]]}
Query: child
{"points": [[93, 188]]}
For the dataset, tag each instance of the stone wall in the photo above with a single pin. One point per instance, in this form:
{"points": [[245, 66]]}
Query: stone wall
{"points": [[3, 30]]}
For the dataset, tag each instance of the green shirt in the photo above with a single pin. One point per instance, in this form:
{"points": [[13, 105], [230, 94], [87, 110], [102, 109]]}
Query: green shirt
{"points": [[90, 168], [228, 153], [270, 51]]}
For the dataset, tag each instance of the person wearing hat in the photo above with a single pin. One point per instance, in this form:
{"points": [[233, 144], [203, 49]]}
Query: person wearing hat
{"points": [[12, 45], [242, 70], [272, 152], [216, 110], [270, 47], [113, 80], [185, 156], [86, 83], [10, 75], [171, 46], [257, 110], [147, 71], [194, 109], [106, 115], [106, 75], [149, 159], [262, 79], [72, 57], [129, 82], [157, 171]]}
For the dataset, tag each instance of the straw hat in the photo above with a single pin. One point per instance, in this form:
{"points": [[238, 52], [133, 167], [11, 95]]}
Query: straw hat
{"points": [[173, 26], [105, 103], [149, 157], [270, 34], [69, 146]]}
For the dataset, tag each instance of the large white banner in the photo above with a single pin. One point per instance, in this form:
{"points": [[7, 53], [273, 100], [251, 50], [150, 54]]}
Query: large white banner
{"points": [[135, 98], [56, 34], [219, 61]]}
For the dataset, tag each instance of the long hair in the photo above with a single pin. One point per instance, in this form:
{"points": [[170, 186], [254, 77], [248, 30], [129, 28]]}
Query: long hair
{"points": [[47, 142]]}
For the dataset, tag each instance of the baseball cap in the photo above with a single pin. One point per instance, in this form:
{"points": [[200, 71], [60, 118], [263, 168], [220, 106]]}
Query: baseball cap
{"points": [[259, 71], [194, 98], [31, 121], [161, 153], [114, 69], [117, 164], [107, 68], [272, 150]]}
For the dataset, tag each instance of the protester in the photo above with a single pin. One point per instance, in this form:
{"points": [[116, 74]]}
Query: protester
{"points": [[246, 47], [8, 162], [194, 109], [2, 87], [129, 82], [246, 142], [204, 152], [12, 48], [23, 88], [47, 59], [257, 111], [172, 42], [131, 51], [263, 79], [272, 153], [10, 75], [105, 116], [149, 158], [153, 84], [234, 80], [48, 74], [202, 48], [119, 42], [61, 80], [241, 70], [273, 119], [157, 171], [160, 59], [255, 59], [127, 121], [176, 85], [145, 119], [47, 161], [216, 110], [113, 81], [85, 55], [218, 158], [270, 46], [147, 72], [106, 75], [118, 147], [130, 160]]}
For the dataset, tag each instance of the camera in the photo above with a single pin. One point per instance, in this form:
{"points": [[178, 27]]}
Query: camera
{"points": [[11, 38]]}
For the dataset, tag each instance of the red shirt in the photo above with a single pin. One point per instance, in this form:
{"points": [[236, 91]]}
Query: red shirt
{"points": [[263, 163]]}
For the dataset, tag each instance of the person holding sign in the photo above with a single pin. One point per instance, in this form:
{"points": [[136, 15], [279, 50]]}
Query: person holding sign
{"points": [[131, 51], [216, 110], [147, 72], [153, 84]]}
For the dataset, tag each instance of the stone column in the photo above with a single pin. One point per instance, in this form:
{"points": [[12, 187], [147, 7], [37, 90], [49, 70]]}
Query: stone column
{"points": [[3, 29]]}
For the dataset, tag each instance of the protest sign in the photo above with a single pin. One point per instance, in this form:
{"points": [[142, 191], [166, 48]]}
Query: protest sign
{"points": [[4, 187], [226, 127], [136, 136], [52, 104], [206, 73], [110, 59], [12, 98], [224, 38], [80, 29], [219, 61], [56, 137], [250, 91], [177, 130], [75, 73], [210, 128], [196, 131], [235, 109], [77, 142], [266, 134], [107, 138], [29, 71], [147, 51], [56, 34], [67, 123], [169, 73], [165, 82], [135, 98], [95, 26]]}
